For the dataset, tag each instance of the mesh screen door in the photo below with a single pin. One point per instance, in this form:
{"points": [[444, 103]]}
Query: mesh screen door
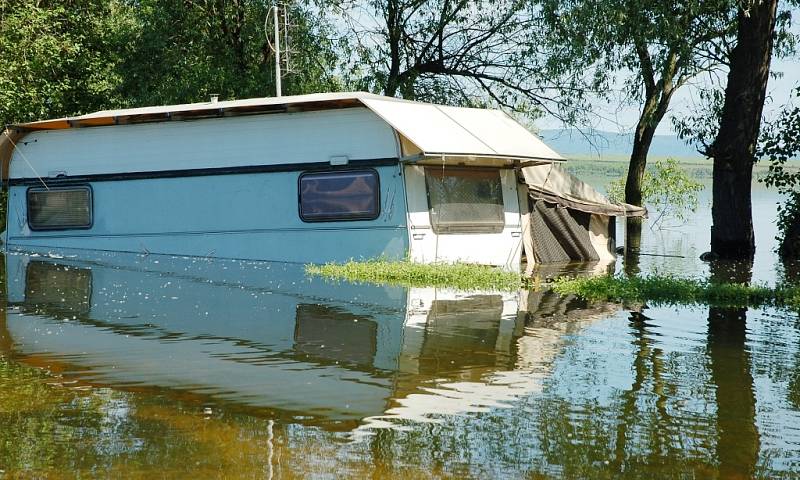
{"points": [[465, 200]]}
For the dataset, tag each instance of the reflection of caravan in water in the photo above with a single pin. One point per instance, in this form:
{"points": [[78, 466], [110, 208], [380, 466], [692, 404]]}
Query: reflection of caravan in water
{"points": [[301, 179], [260, 335]]}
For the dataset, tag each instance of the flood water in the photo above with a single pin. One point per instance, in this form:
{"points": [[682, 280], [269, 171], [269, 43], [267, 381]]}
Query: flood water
{"points": [[121, 365]]}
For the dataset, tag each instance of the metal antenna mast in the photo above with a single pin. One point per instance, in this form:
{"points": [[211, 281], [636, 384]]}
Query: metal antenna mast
{"points": [[275, 13], [277, 53]]}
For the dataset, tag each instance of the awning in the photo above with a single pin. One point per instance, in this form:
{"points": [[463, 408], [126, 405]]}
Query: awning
{"points": [[440, 130], [553, 184]]}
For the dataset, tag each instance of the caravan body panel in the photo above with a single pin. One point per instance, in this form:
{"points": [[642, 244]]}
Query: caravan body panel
{"points": [[225, 187]]}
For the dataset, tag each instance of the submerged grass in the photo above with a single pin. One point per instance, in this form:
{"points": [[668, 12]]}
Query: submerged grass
{"points": [[653, 289], [671, 290], [462, 276]]}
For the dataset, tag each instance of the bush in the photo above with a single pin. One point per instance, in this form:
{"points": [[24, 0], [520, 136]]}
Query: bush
{"points": [[780, 142], [667, 188]]}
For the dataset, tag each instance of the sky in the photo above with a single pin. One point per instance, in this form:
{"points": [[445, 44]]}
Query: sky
{"points": [[620, 118]]}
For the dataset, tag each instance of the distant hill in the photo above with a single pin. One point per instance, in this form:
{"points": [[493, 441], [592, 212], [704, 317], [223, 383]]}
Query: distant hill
{"points": [[613, 146]]}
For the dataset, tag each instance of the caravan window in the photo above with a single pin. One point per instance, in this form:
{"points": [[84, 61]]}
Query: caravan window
{"points": [[465, 200], [339, 195], [59, 208]]}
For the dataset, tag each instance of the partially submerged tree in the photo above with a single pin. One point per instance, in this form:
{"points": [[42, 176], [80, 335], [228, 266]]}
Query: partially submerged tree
{"points": [[734, 147], [655, 46]]}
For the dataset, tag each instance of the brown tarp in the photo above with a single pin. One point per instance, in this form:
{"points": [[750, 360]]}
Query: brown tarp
{"points": [[555, 185], [560, 235]]}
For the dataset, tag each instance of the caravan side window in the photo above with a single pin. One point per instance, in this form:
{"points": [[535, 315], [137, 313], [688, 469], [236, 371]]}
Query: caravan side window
{"points": [[339, 195], [60, 208], [465, 200]]}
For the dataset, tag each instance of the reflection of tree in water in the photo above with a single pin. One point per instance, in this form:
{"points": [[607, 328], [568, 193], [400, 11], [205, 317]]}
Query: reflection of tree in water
{"points": [[646, 430], [648, 364], [641, 430], [738, 440]]}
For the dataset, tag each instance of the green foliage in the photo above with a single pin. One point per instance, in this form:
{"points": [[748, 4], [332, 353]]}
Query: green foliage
{"points": [[67, 57], [667, 188], [780, 143], [460, 276], [699, 128], [179, 52], [671, 290], [644, 39], [58, 57]]}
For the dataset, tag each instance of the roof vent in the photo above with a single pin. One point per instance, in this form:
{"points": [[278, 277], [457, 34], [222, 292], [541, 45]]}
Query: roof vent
{"points": [[214, 98]]}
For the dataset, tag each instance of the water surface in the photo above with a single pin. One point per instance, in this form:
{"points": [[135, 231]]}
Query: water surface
{"points": [[138, 366]]}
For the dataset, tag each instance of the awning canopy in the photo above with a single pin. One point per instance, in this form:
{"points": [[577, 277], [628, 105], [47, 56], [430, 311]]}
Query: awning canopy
{"points": [[553, 184], [440, 130]]}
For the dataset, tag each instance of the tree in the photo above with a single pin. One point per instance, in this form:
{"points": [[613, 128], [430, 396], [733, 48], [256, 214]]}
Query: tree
{"points": [[656, 46], [178, 52], [734, 147], [455, 51], [59, 57]]}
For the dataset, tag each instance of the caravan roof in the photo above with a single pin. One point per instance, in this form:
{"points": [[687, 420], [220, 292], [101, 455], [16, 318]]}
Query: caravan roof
{"points": [[434, 130]]}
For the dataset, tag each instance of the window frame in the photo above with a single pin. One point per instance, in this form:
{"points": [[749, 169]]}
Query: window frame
{"points": [[340, 218], [31, 190], [468, 229]]}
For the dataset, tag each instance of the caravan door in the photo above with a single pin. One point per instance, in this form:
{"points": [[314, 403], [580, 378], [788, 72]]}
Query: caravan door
{"points": [[463, 214]]}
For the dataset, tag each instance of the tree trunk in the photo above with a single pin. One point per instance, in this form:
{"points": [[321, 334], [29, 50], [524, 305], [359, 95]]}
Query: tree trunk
{"points": [[733, 150], [655, 107], [633, 242], [633, 190], [393, 30], [642, 139]]}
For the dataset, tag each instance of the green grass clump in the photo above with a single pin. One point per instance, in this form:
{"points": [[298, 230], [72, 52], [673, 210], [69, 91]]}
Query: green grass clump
{"points": [[462, 276], [671, 290], [653, 289]]}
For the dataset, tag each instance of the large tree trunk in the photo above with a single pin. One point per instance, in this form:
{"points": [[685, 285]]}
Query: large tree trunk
{"points": [[733, 150]]}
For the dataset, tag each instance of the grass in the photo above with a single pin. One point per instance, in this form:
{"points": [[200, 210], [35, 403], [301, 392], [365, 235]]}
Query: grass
{"points": [[461, 276], [671, 290], [653, 289]]}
